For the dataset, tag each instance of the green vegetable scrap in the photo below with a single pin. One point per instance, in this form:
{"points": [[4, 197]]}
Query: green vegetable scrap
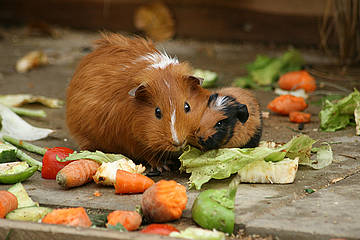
{"points": [[337, 115], [22, 196], [264, 71], [97, 156], [15, 172], [29, 214], [209, 77], [221, 163], [7, 153], [198, 234], [214, 208], [309, 190]]}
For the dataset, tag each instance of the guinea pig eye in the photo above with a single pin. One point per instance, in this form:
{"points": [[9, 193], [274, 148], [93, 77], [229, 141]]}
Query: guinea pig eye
{"points": [[186, 107], [158, 113], [219, 124]]}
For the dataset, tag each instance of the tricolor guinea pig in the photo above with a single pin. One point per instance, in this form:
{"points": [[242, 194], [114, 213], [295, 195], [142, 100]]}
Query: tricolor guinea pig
{"points": [[232, 118], [128, 97]]}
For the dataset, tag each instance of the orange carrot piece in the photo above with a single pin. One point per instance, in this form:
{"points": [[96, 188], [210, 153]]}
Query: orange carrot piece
{"points": [[287, 103], [8, 202], [131, 220], [68, 216], [299, 117], [164, 201], [297, 80], [127, 182], [77, 173]]}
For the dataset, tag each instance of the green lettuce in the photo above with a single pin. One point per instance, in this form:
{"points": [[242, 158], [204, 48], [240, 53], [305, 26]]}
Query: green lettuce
{"points": [[337, 115], [221, 163]]}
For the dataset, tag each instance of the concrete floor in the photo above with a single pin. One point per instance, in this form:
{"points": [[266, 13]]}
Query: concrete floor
{"points": [[282, 211]]}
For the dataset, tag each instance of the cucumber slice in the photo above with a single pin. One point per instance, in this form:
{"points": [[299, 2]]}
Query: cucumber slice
{"points": [[7, 153], [23, 198], [31, 214], [13, 167], [15, 172]]}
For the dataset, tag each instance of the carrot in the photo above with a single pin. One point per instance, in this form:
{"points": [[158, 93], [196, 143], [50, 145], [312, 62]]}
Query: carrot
{"points": [[161, 229], [287, 103], [127, 182], [131, 220], [299, 117], [68, 216], [8, 202], [77, 173], [296, 80], [164, 201]]}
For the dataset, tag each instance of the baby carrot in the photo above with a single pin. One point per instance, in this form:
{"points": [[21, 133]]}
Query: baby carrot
{"points": [[299, 117], [8, 202], [131, 220], [164, 201], [68, 216], [77, 173], [127, 182]]}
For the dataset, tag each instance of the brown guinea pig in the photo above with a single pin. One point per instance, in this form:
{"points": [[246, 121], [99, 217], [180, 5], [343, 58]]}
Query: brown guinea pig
{"points": [[127, 97], [232, 119]]}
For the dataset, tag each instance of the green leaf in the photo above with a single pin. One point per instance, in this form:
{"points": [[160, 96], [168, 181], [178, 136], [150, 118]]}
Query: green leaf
{"points": [[209, 77], [97, 156], [309, 190]]}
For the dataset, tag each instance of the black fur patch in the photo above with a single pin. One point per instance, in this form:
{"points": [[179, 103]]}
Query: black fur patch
{"points": [[255, 139], [224, 128]]}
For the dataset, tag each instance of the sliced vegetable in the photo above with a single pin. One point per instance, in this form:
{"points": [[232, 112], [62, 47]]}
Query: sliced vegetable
{"points": [[17, 100], [8, 203], [51, 166], [214, 208], [31, 214], [164, 201], [337, 115], [14, 126], [25, 145], [77, 173], [97, 156], [296, 93], [209, 77], [299, 117], [282, 172], [29, 160], [131, 220], [76, 217], [285, 104], [199, 234], [31, 60], [106, 173], [7, 153], [297, 80], [127, 182], [28, 112], [160, 229], [23, 198], [15, 172]]}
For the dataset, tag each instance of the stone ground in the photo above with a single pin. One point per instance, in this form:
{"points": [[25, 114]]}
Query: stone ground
{"points": [[272, 211]]}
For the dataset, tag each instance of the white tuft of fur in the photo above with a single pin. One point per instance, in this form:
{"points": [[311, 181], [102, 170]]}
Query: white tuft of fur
{"points": [[159, 60], [220, 102], [172, 128]]}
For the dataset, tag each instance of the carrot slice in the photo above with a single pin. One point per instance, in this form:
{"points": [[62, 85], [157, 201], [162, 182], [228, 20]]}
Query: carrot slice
{"points": [[8, 202], [127, 182], [68, 216], [77, 173], [297, 80], [287, 103], [131, 220], [164, 201], [299, 117]]}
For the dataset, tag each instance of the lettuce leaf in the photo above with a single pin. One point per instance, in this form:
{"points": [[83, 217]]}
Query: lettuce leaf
{"points": [[221, 163], [337, 115]]}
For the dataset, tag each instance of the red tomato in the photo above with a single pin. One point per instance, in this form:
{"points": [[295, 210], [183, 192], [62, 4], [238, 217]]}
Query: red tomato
{"points": [[161, 229], [51, 166]]}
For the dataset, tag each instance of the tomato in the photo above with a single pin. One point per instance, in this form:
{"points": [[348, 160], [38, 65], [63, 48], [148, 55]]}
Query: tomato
{"points": [[51, 166], [161, 229]]}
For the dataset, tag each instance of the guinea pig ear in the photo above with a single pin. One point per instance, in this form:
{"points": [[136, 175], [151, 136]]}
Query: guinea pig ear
{"points": [[196, 80], [242, 113], [139, 92]]}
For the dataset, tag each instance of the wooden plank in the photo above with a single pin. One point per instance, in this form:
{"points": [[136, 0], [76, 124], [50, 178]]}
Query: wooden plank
{"points": [[277, 21]]}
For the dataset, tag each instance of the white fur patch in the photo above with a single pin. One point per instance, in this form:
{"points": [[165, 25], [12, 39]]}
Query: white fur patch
{"points": [[159, 60], [172, 128], [220, 102]]}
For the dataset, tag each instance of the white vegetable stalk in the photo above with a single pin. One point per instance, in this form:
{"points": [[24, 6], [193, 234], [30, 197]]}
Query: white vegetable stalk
{"points": [[270, 172], [16, 127], [106, 173]]}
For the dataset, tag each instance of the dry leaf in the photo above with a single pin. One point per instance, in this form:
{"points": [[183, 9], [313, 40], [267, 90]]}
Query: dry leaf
{"points": [[155, 20]]}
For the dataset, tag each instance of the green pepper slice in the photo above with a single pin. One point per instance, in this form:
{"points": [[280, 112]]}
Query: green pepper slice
{"points": [[18, 177]]}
